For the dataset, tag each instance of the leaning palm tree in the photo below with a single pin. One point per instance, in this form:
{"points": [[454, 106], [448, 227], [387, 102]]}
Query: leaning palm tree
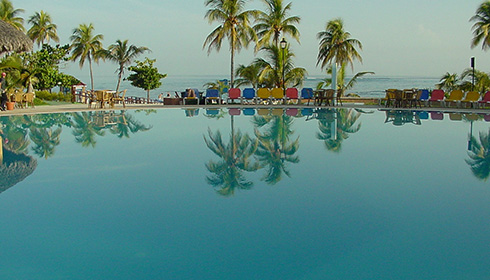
{"points": [[86, 46], [42, 29], [10, 15], [45, 141], [481, 27], [275, 23], [123, 55], [234, 24], [337, 46]]}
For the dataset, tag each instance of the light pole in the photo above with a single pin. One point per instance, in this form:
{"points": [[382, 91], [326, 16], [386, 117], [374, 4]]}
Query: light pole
{"points": [[473, 66], [283, 47]]}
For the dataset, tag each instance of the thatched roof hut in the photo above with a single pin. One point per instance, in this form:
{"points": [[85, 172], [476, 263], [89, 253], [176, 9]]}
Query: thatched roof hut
{"points": [[13, 40]]}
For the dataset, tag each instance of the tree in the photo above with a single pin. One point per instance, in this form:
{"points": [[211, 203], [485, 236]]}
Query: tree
{"points": [[481, 27], [123, 55], [249, 75], [43, 29], [234, 24], [274, 22], [341, 85], [86, 46], [448, 82], [276, 60], [10, 15], [146, 76], [337, 46]]}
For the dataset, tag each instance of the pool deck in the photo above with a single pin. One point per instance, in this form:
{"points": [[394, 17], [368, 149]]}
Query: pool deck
{"points": [[68, 107]]}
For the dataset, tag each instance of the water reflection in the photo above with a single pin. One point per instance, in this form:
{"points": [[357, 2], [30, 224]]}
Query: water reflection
{"points": [[43, 134], [479, 156], [336, 125], [401, 117]]}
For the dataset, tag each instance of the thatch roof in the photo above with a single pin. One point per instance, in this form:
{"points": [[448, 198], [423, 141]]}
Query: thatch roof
{"points": [[13, 40], [15, 168]]}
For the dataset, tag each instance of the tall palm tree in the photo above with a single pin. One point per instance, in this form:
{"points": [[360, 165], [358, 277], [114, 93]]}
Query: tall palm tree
{"points": [[481, 27], [10, 15], [275, 22], [234, 24], [86, 46], [42, 29], [275, 62], [123, 55], [337, 46]]}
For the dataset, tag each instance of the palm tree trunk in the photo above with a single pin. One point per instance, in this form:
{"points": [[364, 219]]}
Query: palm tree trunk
{"points": [[91, 74], [119, 79], [232, 65], [148, 96]]}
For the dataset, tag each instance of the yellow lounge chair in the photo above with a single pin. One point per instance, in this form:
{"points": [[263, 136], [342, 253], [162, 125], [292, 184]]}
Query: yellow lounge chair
{"points": [[454, 97], [471, 98]]}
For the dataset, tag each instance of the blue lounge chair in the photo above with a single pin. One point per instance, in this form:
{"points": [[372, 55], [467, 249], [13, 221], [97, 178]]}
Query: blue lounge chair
{"points": [[249, 95], [307, 93], [212, 95]]}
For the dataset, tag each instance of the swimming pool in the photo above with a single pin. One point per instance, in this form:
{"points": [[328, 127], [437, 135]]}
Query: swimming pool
{"points": [[245, 194]]}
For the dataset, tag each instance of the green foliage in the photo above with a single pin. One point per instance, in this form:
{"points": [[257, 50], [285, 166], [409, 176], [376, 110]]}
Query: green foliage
{"points": [[54, 96], [145, 75]]}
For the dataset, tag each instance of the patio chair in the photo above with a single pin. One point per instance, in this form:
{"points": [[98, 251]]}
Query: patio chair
{"points": [[29, 99], [292, 94], [120, 98], [471, 98], [249, 95], [234, 94], [388, 99], [212, 95], [436, 96], [307, 93], [485, 100], [455, 96], [416, 99]]}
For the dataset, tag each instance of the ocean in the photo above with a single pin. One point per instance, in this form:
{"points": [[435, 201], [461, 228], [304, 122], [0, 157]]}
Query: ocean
{"points": [[368, 86]]}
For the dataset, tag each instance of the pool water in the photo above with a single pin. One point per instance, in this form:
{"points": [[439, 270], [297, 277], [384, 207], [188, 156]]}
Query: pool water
{"points": [[245, 194]]}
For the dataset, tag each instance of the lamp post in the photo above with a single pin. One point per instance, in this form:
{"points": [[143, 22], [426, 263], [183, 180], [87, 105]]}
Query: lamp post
{"points": [[283, 47], [473, 66]]}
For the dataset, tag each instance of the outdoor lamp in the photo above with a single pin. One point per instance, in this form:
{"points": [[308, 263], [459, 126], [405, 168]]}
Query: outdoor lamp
{"points": [[283, 43]]}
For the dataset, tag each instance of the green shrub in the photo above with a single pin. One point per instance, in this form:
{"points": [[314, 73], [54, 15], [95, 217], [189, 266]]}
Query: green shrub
{"points": [[48, 96]]}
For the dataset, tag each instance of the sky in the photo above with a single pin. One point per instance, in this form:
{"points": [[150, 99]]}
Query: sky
{"points": [[419, 38]]}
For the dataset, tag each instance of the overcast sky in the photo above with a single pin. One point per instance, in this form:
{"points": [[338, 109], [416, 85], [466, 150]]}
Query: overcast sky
{"points": [[400, 38]]}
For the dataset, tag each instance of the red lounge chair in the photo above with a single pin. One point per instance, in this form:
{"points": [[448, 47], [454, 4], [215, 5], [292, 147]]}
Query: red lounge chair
{"points": [[234, 94], [292, 93], [436, 96], [485, 100]]}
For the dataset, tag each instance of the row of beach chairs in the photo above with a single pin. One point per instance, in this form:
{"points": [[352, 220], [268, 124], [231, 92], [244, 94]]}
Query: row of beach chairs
{"points": [[258, 96], [415, 97]]}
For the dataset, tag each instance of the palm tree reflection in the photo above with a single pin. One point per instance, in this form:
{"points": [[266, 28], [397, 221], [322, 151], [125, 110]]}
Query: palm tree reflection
{"points": [[235, 158], [336, 125], [479, 156], [275, 147]]}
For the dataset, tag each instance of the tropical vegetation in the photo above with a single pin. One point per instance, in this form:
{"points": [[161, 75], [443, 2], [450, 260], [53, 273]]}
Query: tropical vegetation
{"points": [[43, 29], [146, 76]]}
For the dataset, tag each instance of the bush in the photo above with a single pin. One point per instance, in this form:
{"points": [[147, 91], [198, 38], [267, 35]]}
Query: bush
{"points": [[48, 96]]}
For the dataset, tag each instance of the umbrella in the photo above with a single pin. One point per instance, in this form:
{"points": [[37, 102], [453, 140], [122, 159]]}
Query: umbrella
{"points": [[13, 40]]}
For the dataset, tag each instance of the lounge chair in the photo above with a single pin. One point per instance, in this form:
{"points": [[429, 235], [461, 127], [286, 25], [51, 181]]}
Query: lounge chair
{"points": [[437, 116], [234, 94], [277, 94], [455, 96], [471, 98], [436, 96], [424, 96], [307, 93], [263, 111], [292, 112], [192, 99], [249, 95], [263, 95], [248, 111], [292, 94], [277, 112], [234, 111], [212, 95], [485, 100], [455, 116]]}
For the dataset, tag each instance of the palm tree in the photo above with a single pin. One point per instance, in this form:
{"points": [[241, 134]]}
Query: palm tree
{"points": [[341, 85], [448, 82], [123, 55], [482, 81], [43, 29], [85, 130], [275, 22], [126, 124], [277, 59], [86, 46], [337, 46], [10, 15], [249, 75], [479, 154], [45, 140], [234, 25], [481, 27]]}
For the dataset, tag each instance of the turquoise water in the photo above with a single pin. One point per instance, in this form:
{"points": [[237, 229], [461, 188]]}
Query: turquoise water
{"points": [[162, 194]]}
